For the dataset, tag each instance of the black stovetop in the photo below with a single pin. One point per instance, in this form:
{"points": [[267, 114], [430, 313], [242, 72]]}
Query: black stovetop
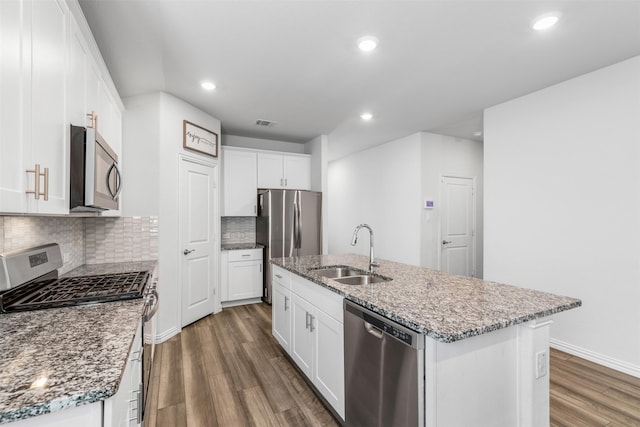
{"points": [[72, 291]]}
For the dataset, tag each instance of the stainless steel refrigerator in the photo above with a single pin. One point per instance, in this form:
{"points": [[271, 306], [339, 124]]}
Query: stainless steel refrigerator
{"points": [[289, 223]]}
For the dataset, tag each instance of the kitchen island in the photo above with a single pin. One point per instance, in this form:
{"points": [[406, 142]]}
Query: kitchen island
{"points": [[486, 344], [70, 359]]}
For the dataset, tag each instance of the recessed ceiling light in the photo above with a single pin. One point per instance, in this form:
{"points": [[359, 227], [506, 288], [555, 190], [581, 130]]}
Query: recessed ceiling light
{"points": [[367, 43], [366, 116], [546, 21], [206, 85]]}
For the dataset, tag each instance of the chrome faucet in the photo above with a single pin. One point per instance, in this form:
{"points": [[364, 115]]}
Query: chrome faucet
{"points": [[372, 260]]}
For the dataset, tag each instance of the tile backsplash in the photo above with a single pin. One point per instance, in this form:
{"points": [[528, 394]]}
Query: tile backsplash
{"points": [[120, 239], [84, 240], [20, 232], [238, 229]]}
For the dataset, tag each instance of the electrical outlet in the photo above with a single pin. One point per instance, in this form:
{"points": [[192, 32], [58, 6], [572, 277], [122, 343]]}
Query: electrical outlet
{"points": [[542, 366]]}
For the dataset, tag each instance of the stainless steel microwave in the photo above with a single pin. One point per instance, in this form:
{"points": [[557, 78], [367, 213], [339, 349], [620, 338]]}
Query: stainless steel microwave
{"points": [[95, 178]]}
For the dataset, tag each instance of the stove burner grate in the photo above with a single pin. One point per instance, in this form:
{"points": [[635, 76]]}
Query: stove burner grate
{"points": [[72, 291]]}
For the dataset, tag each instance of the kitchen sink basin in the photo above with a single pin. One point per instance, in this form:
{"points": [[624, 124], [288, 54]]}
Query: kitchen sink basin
{"points": [[349, 275], [338, 271], [361, 280]]}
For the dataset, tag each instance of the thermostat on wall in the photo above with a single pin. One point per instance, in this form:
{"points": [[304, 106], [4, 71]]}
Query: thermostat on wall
{"points": [[428, 204]]}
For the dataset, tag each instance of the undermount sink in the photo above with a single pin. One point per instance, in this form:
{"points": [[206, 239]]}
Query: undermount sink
{"points": [[338, 271], [349, 275], [361, 280]]}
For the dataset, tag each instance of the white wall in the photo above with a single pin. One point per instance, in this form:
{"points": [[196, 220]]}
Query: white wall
{"points": [[380, 186], [155, 123], [562, 206], [318, 148], [262, 144], [447, 156], [141, 133]]}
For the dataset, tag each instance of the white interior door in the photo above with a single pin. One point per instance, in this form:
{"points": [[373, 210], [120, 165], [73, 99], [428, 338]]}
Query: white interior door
{"points": [[458, 226], [198, 195]]}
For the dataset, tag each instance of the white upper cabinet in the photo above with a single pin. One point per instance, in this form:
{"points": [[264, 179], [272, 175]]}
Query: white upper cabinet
{"points": [[44, 117], [290, 171], [297, 172], [13, 179], [239, 182], [48, 80]]}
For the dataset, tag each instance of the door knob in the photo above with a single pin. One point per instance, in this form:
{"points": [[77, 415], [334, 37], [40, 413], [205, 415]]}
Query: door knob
{"points": [[188, 251], [446, 242]]}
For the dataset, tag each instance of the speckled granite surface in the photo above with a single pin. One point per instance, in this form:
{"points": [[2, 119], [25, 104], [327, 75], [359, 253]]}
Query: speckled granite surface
{"points": [[445, 307], [82, 351], [240, 246]]}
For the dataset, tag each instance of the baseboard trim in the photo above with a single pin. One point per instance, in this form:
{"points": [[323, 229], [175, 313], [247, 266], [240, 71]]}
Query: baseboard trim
{"points": [[163, 336], [241, 302], [600, 359]]}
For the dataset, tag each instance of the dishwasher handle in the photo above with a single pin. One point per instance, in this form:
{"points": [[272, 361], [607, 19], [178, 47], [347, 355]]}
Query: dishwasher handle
{"points": [[373, 330]]}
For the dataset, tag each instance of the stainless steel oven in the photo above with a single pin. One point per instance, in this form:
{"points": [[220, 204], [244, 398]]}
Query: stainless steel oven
{"points": [[149, 328]]}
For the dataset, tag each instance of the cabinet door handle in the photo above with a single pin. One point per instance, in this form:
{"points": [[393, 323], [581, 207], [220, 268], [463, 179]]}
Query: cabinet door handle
{"points": [[255, 209], [278, 276], [285, 182], [46, 184], [36, 182], [286, 302], [281, 182], [311, 328], [307, 321]]}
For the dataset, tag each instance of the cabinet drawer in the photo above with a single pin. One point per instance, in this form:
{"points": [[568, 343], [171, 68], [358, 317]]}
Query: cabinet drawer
{"points": [[281, 276], [245, 255]]}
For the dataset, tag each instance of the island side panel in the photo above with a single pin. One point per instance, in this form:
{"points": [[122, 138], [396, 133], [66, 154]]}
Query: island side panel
{"points": [[488, 380]]}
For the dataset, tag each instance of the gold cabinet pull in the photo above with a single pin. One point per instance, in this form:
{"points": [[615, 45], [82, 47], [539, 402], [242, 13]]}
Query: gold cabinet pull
{"points": [[94, 120], [36, 184], [46, 184]]}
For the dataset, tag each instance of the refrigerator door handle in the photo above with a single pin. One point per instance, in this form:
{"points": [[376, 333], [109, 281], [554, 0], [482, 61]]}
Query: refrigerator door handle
{"points": [[295, 225], [299, 223]]}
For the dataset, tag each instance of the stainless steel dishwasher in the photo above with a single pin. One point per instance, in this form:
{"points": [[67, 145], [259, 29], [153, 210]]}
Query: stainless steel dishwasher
{"points": [[383, 369]]}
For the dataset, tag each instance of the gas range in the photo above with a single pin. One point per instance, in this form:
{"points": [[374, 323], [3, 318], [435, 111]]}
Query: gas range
{"points": [[29, 281]]}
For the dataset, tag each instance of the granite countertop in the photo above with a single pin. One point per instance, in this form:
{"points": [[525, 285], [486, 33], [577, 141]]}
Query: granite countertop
{"points": [[445, 307], [240, 246], [80, 351]]}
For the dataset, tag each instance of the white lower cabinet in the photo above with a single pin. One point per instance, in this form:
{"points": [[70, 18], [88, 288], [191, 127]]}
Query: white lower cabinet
{"points": [[281, 309], [242, 278], [310, 329], [122, 409]]}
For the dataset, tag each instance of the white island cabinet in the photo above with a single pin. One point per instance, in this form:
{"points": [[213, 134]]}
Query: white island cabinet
{"points": [[308, 323], [486, 352]]}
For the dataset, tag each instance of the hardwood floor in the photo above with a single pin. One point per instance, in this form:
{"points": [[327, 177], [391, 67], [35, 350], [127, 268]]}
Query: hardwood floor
{"points": [[227, 370], [586, 394]]}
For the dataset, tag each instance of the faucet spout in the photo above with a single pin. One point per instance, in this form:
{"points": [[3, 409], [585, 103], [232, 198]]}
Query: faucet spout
{"points": [[372, 260]]}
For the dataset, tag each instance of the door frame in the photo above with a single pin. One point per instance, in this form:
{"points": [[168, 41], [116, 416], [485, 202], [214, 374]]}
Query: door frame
{"points": [[217, 307], [473, 219]]}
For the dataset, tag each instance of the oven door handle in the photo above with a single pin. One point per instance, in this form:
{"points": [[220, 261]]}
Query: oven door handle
{"points": [[153, 302]]}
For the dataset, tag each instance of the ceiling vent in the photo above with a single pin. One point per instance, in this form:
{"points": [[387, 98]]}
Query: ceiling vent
{"points": [[265, 123]]}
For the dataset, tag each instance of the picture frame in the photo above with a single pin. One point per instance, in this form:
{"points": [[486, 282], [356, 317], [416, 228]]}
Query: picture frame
{"points": [[199, 139]]}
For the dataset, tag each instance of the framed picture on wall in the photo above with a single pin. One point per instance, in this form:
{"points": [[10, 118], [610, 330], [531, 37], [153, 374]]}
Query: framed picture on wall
{"points": [[199, 139]]}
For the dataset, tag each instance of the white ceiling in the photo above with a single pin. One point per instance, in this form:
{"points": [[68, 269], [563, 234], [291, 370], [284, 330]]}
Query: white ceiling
{"points": [[437, 66]]}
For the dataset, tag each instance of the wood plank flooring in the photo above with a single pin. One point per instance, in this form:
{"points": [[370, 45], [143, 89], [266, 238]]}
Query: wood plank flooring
{"points": [[227, 370], [583, 393]]}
